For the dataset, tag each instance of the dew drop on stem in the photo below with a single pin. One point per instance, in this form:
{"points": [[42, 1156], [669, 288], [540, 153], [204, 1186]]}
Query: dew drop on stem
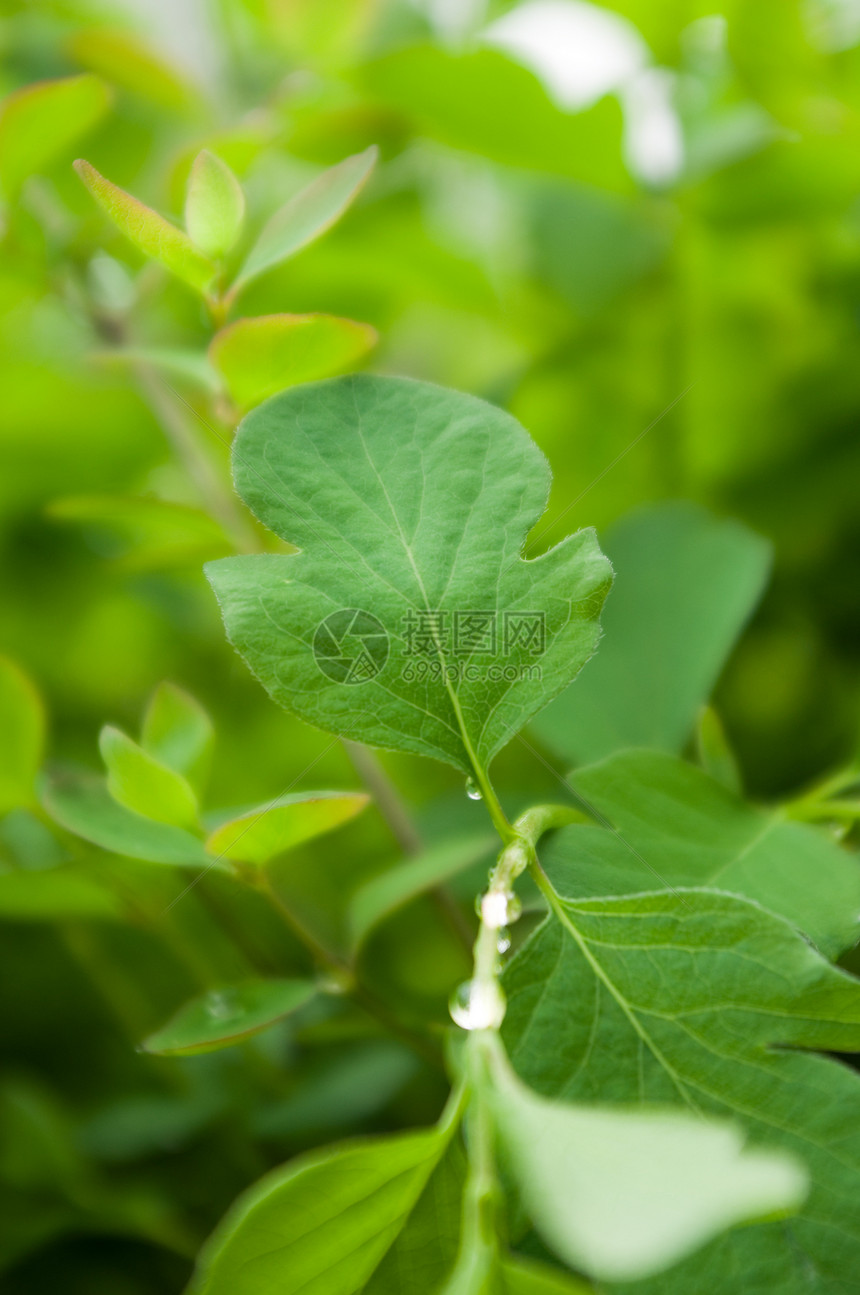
{"points": [[477, 1005]]}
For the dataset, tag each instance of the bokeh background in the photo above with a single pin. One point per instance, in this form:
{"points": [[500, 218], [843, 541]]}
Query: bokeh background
{"points": [[634, 225]]}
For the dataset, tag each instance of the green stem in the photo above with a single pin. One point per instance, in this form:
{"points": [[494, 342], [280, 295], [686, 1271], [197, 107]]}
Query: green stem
{"points": [[478, 1253], [486, 1006], [215, 495], [345, 978], [390, 805]]}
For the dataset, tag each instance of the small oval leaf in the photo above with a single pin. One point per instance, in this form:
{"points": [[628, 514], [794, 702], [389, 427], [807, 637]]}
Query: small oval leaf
{"points": [[143, 784], [214, 205], [257, 357], [263, 833], [229, 1015], [178, 732], [82, 804], [148, 231], [307, 215]]}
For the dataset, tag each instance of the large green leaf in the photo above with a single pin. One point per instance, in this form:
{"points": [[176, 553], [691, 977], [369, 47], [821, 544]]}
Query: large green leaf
{"points": [[260, 356], [624, 1193], [485, 102], [307, 215], [669, 822], [708, 1001], [149, 231], [409, 503], [39, 122], [229, 1015], [82, 804], [22, 725], [323, 1224], [686, 583]]}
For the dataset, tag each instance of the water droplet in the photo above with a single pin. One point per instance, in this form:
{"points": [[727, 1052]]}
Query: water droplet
{"points": [[499, 908], [473, 791], [477, 1005], [503, 942], [220, 1004]]}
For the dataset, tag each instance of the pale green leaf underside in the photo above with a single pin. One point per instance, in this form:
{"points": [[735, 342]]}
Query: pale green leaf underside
{"points": [[706, 1000], [405, 499], [686, 583], [677, 826], [222, 1017], [624, 1193]]}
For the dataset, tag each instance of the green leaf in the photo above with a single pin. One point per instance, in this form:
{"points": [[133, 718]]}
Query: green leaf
{"points": [[147, 533], [214, 205], [22, 724], [257, 357], [41, 121], [686, 584], [407, 501], [148, 231], [713, 751], [178, 732], [55, 894], [378, 898], [223, 1017], [307, 215], [82, 804], [269, 830], [484, 102], [324, 1223], [623, 1193], [127, 61], [520, 1277], [675, 826], [707, 1001], [141, 783]]}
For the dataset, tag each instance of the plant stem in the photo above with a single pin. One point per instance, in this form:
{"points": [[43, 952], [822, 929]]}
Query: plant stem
{"points": [[347, 981], [385, 795], [216, 497], [390, 805], [486, 1000]]}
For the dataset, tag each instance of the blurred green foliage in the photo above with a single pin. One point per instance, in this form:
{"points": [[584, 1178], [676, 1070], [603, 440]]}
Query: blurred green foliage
{"points": [[689, 335]]}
